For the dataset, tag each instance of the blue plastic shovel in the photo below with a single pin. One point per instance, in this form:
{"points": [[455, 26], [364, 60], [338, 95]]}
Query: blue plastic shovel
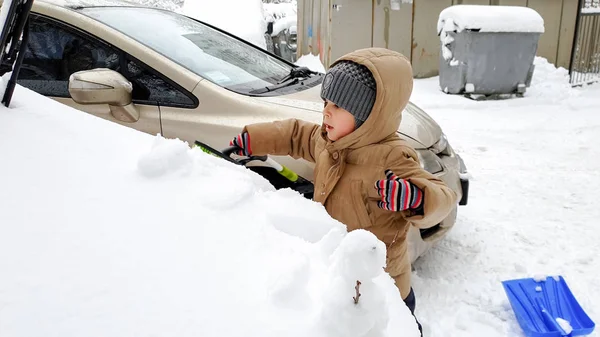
{"points": [[547, 308]]}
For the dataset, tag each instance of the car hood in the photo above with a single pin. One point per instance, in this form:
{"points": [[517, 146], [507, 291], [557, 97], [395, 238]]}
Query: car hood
{"points": [[417, 126]]}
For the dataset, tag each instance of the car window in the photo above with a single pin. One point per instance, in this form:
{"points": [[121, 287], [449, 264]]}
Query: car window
{"points": [[206, 51], [55, 51], [53, 54], [151, 88]]}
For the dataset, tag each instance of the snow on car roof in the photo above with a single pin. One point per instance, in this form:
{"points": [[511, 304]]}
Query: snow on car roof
{"points": [[92, 3]]}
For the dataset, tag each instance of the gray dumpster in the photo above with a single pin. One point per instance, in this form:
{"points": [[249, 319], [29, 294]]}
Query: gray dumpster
{"points": [[487, 50]]}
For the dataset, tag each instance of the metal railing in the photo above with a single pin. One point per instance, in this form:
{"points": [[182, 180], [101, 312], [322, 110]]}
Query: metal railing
{"points": [[585, 55]]}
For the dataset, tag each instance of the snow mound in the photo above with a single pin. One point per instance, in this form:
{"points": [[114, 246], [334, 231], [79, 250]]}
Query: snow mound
{"points": [[352, 303], [291, 218], [108, 231], [549, 82], [491, 19], [361, 256], [165, 156]]}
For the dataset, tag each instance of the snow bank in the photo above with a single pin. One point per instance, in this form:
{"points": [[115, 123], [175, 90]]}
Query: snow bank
{"points": [[244, 18], [106, 231], [313, 62], [549, 82], [491, 19]]}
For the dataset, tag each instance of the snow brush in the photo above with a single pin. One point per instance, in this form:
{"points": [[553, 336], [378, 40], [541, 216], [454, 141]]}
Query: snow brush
{"points": [[282, 170]]}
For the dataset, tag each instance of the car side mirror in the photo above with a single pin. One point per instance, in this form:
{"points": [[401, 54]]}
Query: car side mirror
{"points": [[104, 86]]}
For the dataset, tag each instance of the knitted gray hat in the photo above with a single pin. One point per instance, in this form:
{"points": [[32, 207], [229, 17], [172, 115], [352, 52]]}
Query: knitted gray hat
{"points": [[352, 87]]}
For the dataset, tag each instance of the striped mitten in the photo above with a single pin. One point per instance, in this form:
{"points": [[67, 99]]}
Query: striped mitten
{"points": [[398, 194], [242, 141]]}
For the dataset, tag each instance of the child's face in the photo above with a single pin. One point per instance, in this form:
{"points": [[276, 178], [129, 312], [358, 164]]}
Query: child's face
{"points": [[338, 122]]}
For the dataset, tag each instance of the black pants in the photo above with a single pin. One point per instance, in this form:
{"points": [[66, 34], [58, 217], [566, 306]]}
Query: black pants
{"points": [[411, 302]]}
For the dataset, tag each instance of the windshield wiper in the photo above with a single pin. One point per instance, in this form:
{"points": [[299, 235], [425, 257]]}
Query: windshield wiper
{"points": [[298, 72], [274, 87], [288, 80]]}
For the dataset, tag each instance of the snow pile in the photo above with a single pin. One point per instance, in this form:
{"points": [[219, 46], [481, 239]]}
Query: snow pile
{"points": [[312, 62], [106, 231], [359, 257], [490, 19], [244, 18], [550, 83]]}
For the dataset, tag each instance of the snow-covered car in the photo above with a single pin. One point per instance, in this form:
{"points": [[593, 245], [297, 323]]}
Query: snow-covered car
{"points": [[108, 231], [161, 72], [282, 42]]}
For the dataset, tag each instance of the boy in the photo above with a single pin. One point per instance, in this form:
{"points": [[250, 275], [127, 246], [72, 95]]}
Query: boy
{"points": [[365, 175]]}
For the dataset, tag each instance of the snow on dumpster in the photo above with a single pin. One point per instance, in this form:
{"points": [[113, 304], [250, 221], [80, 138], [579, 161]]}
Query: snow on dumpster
{"points": [[492, 18], [488, 50]]}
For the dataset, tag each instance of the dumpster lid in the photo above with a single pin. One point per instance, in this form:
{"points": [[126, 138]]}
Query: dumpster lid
{"points": [[490, 19]]}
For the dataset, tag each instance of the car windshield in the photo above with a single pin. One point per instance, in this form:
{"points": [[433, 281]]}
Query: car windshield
{"points": [[207, 52]]}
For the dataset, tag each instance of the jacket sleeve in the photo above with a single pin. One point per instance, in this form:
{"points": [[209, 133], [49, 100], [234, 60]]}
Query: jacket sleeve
{"points": [[438, 198], [291, 137]]}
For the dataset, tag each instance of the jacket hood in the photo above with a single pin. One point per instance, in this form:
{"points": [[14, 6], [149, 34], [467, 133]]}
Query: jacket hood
{"points": [[394, 78]]}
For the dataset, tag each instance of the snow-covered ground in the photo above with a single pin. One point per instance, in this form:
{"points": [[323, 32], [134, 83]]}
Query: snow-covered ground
{"points": [[533, 207], [106, 231]]}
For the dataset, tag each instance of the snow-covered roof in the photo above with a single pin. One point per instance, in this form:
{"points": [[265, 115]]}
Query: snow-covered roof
{"points": [[490, 19], [590, 10], [591, 7]]}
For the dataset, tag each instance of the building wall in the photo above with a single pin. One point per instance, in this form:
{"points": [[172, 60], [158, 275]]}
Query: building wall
{"points": [[330, 33]]}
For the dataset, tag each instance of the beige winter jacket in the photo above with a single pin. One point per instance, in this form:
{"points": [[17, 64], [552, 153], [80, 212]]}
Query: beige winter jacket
{"points": [[346, 170]]}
